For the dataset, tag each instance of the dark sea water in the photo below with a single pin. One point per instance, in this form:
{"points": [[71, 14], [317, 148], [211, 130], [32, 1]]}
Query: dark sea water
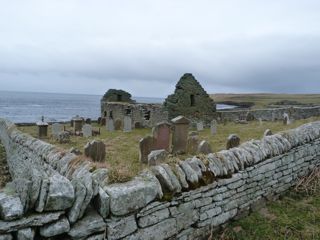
{"points": [[25, 107]]}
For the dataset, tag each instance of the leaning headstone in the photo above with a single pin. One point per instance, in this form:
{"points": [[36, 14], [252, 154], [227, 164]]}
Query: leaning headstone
{"points": [[56, 129], [204, 147], [96, 150], [117, 124], [192, 144], [146, 145], [286, 119], [127, 124], [199, 126], [180, 134], [87, 130], [161, 134], [233, 141], [268, 132], [213, 127], [110, 125], [157, 157]]}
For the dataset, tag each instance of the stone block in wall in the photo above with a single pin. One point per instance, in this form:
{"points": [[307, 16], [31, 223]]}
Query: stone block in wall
{"points": [[26, 234], [120, 228], [137, 193], [10, 204], [153, 218], [102, 203], [80, 194], [6, 237], [91, 223], [33, 220], [56, 228]]}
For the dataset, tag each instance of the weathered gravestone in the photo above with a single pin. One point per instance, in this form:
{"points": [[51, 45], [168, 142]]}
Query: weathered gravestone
{"points": [[199, 126], [180, 134], [146, 145], [103, 121], [161, 134], [64, 137], [87, 130], [77, 124], [156, 157], [56, 129], [204, 147], [110, 125], [118, 124], [213, 127], [127, 124], [96, 150], [286, 119], [260, 121], [268, 132], [42, 129], [192, 144], [233, 141], [249, 117]]}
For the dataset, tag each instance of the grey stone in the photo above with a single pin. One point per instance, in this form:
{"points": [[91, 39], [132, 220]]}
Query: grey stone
{"points": [[26, 234], [192, 144], [33, 220], [127, 124], [213, 127], [180, 134], [163, 178], [110, 125], [23, 188], [64, 137], [102, 203], [204, 147], [191, 175], [56, 228], [80, 194], [157, 157], [199, 126], [60, 195], [91, 223], [119, 228], [173, 178], [182, 177], [42, 195], [233, 141], [153, 218], [96, 150], [118, 124], [56, 129], [10, 205], [97, 237], [146, 145], [6, 237], [87, 130], [130, 196]]}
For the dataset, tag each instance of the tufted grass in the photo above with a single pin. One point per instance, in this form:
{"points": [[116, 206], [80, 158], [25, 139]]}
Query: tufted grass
{"points": [[123, 148], [296, 215]]}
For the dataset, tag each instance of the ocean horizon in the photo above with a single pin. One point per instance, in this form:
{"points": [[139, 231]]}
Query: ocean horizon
{"points": [[29, 107]]}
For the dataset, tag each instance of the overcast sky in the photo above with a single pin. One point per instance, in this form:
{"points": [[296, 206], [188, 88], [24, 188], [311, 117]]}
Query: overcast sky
{"points": [[144, 46]]}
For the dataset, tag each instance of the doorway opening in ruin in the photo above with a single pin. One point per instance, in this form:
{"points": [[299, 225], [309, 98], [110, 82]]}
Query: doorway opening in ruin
{"points": [[105, 113], [110, 114], [119, 98], [128, 111], [192, 100]]}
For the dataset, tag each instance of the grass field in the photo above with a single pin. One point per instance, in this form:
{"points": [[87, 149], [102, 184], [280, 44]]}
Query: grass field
{"points": [[263, 100], [296, 215], [123, 148]]}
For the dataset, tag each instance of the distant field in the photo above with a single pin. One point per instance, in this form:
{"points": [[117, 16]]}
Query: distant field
{"points": [[263, 100]]}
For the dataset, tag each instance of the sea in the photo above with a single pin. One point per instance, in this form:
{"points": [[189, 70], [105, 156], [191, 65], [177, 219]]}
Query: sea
{"points": [[29, 107]]}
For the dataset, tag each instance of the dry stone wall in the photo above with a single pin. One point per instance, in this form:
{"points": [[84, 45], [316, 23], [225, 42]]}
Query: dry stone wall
{"points": [[182, 201], [271, 114]]}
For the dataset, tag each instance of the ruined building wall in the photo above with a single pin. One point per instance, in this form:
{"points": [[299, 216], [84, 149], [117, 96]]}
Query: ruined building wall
{"points": [[179, 202], [144, 115]]}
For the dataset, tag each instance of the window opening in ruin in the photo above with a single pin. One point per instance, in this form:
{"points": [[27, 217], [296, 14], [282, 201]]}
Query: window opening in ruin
{"points": [[192, 100], [128, 111], [110, 114], [105, 114], [119, 98], [147, 115]]}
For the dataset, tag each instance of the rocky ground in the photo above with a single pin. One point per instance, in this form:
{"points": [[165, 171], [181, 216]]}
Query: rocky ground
{"points": [[4, 170]]}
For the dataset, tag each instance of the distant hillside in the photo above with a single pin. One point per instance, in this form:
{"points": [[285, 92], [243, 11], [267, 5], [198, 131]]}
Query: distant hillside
{"points": [[263, 100]]}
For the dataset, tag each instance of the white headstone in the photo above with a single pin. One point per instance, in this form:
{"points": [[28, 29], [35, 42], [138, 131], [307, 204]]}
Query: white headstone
{"points": [[110, 125], [286, 119], [273, 117], [199, 126], [260, 121], [127, 124], [87, 130], [213, 127], [56, 129]]}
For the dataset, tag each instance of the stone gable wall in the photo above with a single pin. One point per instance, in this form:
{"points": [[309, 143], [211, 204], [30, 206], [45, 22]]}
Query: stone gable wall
{"points": [[186, 201]]}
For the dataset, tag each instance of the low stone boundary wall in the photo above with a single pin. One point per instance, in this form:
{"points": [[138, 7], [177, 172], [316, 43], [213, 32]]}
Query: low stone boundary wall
{"points": [[271, 114], [185, 200]]}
